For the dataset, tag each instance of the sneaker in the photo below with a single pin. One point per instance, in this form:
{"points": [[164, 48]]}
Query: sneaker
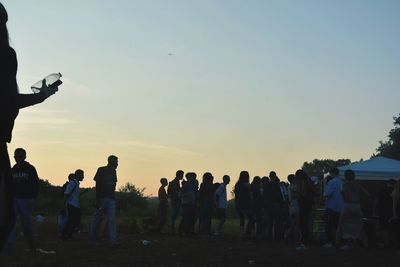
{"points": [[327, 245]]}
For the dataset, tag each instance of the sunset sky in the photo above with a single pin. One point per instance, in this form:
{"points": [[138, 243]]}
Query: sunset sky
{"points": [[210, 85]]}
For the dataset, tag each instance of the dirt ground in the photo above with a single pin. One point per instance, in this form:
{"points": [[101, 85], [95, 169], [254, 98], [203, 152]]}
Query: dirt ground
{"points": [[167, 250]]}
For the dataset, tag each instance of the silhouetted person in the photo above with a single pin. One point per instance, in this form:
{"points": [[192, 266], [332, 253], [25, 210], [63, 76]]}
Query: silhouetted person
{"points": [[306, 201], [256, 190], [25, 188], [10, 103], [350, 222], [206, 203], [174, 189], [274, 206], [385, 210], [265, 202], [293, 232], [222, 203], [243, 203], [162, 204], [106, 180], [71, 200], [189, 196], [333, 205]]}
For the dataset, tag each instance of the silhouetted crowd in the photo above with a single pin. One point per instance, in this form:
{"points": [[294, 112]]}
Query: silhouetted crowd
{"points": [[272, 210]]}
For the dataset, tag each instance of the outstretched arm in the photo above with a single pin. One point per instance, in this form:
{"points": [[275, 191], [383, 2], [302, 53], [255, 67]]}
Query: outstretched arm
{"points": [[26, 100]]}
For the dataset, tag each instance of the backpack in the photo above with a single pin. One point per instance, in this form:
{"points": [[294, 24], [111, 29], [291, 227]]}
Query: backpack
{"points": [[63, 188]]}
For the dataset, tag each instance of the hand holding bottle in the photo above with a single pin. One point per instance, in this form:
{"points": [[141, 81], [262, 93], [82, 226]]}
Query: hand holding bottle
{"points": [[48, 90], [49, 85]]}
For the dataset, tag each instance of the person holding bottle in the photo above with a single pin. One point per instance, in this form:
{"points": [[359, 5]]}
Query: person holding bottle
{"points": [[10, 103]]}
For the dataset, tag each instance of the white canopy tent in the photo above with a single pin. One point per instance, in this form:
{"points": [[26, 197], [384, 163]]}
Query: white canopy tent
{"points": [[374, 169]]}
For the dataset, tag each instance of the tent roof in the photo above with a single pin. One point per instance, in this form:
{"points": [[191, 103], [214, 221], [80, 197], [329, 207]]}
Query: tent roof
{"points": [[377, 168]]}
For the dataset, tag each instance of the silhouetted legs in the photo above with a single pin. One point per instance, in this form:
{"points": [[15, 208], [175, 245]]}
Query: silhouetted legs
{"points": [[108, 208], [7, 211]]}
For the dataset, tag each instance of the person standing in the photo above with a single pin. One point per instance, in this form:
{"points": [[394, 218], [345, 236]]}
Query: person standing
{"points": [[71, 200], [243, 203], [106, 180], [162, 204], [10, 103], [189, 197], [206, 203], [25, 189], [333, 205], [350, 222], [292, 232], [275, 208], [257, 205], [222, 203], [306, 201], [174, 190]]}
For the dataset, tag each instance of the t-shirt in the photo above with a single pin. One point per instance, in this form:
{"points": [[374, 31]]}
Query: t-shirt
{"points": [[333, 194], [174, 189], [189, 192], [25, 180], [106, 180], [220, 194], [72, 192]]}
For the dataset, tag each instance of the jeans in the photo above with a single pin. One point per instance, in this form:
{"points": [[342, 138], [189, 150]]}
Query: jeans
{"points": [[23, 210], [107, 207], [175, 207], [74, 218], [205, 218]]}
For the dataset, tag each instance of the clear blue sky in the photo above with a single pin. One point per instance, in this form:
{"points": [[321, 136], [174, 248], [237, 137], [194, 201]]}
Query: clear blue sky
{"points": [[256, 85]]}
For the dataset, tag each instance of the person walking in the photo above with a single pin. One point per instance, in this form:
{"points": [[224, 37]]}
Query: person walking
{"points": [[71, 200], [106, 180]]}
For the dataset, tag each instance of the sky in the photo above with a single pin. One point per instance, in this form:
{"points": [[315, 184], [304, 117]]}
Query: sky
{"points": [[204, 86]]}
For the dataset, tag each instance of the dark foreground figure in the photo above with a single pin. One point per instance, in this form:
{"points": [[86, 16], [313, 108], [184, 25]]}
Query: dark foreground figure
{"points": [[10, 103]]}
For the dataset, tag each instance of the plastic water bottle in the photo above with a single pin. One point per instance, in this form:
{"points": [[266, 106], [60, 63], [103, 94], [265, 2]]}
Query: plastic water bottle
{"points": [[52, 80]]}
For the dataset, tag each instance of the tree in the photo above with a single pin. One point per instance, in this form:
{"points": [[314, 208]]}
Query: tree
{"points": [[321, 166], [131, 198], [391, 148]]}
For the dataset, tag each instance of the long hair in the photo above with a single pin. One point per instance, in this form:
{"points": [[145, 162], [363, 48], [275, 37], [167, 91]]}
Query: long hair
{"points": [[244, 178], [4, 39]]}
